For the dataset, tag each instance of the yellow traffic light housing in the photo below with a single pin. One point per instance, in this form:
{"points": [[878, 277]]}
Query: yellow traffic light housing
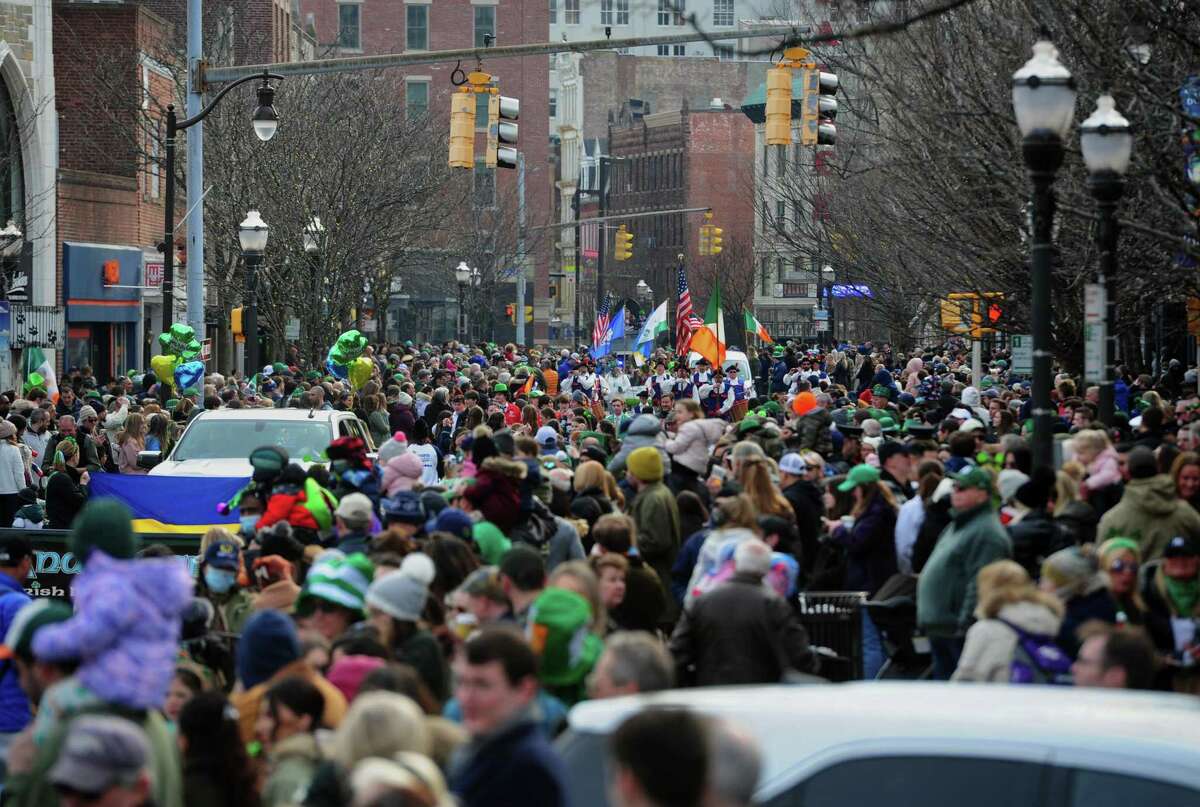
{"points": [[623, 247], [462, 128], [779, 106], [715, 240], [705, 239], [235, 321]]}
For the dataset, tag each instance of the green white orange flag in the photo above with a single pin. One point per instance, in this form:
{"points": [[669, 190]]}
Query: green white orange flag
{"points": [[710, 341], [755, 327], [39, 372]]}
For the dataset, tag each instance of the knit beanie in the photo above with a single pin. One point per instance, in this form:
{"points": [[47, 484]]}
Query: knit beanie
{"points": [[402, 594], [349, 672], [339, 579], [104, 524], [394, 446], [268, 644], [645, 464], [402, 472]]}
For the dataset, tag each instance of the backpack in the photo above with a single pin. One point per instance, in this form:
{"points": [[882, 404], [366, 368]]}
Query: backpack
{"points": [[1038, 659]]}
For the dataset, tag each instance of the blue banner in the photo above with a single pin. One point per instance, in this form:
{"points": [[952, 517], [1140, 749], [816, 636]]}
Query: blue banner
{"points": [[171, 503]]}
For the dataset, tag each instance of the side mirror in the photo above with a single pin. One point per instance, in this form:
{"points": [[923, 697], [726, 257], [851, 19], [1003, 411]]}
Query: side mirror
{"points": [[148, 459]]}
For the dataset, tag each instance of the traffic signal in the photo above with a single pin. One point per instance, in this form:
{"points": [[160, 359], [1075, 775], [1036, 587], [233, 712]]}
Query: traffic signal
{"points": [[235, 320], [462, 128], [705, 239], [827, 107], [779, 106], [511, 311], [715, 240], [623, 248], [710, 236], [502, 111]]}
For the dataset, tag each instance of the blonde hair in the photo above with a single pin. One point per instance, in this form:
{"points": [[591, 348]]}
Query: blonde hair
{"points": [[755, 476], [738, 511], [588, 587], [1093, 440], [592, 474], [216, 535], [379, 724], [692, 406], [1066, 491], [135, 429], [65, 449], [1004, 582]]}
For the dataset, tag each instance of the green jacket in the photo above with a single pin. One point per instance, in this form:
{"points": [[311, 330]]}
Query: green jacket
{"points": [[946, 590], [1150, 513], [657, 517], [293, 765], [233, 610], [33, 789]]}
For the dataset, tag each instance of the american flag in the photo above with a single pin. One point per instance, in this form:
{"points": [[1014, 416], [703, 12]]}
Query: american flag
{"points": [[686, 320], [602, 321]]}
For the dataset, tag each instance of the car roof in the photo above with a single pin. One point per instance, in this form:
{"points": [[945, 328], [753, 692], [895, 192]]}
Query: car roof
{"points": [[270, 414], [795, 723]]}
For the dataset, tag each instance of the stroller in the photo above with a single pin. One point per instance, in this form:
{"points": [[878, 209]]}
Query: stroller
{"points": [[894, 612]]}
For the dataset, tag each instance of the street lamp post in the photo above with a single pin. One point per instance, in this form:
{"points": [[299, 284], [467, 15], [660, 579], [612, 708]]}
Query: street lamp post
{"points": [[252, 232], [314, 241], [1107, 143], [266, 122], [463, 275], [1043, 94]]}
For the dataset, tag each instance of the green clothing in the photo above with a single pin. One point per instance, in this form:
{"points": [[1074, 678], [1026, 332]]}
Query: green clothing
{"points": [[232, 610], [381, 430], [946, 590], [1152, 514], [62, 703], [293, 765], [423, 653], [491, 541], [657, 517]]}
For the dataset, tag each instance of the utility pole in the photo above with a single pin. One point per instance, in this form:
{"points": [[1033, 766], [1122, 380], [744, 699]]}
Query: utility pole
{"points": [[575, 203], [195, 171], [602, 237], [520, 312]]}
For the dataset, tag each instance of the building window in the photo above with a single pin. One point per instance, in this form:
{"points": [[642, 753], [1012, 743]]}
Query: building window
{"points": [[765, 278], [678, 50], [664, 50], [554, 12], [485, 185], [779, 270], [606, 12], [622, 12], [417, 27], [781, 215], [485, 25], [725, 53], [416, 98], [782, 160], [553, 103], [670, 12], [571, 12], [722, 12], [350, 26]]}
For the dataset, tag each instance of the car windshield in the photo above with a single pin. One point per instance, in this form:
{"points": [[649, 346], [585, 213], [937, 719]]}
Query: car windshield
{"points": [[235, 439]]}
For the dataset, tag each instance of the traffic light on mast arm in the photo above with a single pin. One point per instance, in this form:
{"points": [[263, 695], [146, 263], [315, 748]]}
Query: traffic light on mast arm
{"points": [[818, 106], [501, 129], [710, 236], [623, 246]]}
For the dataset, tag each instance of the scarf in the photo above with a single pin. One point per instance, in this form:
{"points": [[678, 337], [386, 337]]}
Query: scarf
{"points": [[1184, 594]]}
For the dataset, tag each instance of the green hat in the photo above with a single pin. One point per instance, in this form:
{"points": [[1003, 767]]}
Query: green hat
{"points": [[772, 407], [559, 630], [500, 388], [881, 391], [749, 424], [279, 367], [172, 403], [340, 579], [312, 375], [191, 391], [103, 524], [972, 476], [27, 621], [1002, 364], [631, 401], [778, 350], [887, 424], [859, 475], [987, 383], [93, 394]]}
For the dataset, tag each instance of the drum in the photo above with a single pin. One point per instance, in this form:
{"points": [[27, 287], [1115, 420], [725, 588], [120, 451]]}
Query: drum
{"points": [[738, 410]]}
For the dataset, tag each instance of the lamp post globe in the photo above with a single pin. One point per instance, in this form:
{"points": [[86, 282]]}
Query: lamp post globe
{"points": [[1106, 139], [266, 119], [252, 233], [313, 234], [462, 273], [1043, 93]]}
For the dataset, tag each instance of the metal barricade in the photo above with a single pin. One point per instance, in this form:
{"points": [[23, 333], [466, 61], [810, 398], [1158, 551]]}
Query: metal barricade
{"points": [[833, 620]]}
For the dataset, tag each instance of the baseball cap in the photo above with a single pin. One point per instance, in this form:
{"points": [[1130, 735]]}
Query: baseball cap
{"points": [[792, 463], [222, 555], [484, 582], [14, 549], [403, 506], [970, 425], [101, 752], [546, 436], [354, 507], [1182, 546], [859, 475], [25, 625], [972, 476]]}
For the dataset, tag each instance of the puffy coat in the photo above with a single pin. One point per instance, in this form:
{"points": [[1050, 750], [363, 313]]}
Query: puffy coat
{"points": [[988, 651], [1152, 514], [645, 430], [946, 589], [693, 443], [125, 628], [871, 547]]}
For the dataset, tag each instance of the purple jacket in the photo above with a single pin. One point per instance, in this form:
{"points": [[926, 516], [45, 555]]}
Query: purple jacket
{"points": [[125, 630]]}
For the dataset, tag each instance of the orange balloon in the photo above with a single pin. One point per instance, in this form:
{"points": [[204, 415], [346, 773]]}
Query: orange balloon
{"points": [[804, 403]]}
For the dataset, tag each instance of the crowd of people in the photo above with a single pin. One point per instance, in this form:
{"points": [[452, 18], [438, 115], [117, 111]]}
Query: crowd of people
{"points": [[411, 624]]}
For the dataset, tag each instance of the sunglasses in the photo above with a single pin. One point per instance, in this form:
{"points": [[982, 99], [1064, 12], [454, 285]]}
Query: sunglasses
{"points": [[1123, 566]]}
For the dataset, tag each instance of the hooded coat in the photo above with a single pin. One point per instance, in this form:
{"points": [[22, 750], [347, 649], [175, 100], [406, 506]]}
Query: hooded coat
{"points": [[125, 630], [693, 443], [645, 430], [1152, 514], [988, 651]]}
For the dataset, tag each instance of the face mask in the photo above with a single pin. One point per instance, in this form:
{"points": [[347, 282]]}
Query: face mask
{"points": [[248, 523], [219, 581]]}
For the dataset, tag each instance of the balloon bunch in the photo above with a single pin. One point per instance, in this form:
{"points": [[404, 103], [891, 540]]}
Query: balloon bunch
{"points": [[178, 366], [345, 359]]}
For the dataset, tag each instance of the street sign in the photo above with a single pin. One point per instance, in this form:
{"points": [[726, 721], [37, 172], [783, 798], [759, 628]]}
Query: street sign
{"points": [[1022, 353], [206, 350], [368, 324], [291, 330], [822, 325], [1094, 333], [154, 274]]}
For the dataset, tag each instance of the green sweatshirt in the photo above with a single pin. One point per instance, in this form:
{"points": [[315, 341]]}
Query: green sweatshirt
{"points": [[946, 590]]}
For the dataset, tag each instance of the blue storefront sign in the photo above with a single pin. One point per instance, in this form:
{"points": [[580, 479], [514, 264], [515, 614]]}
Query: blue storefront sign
{"points": [[101, 287]]}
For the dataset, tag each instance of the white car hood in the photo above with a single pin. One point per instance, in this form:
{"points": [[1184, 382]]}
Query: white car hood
{"points": [[219, 467]]}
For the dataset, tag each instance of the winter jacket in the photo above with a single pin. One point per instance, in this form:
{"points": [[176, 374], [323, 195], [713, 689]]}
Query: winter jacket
{"points": [[937, 518], [946, 588], [1160, 611], [12, 469], [693, 443], [423, 653], [286, 503], [987, 654], [125, 628], [809, 505], [1103, 471], [232, 609], [1095, 606], [292, 766], [1079, 520], [645, 430], [871, 547], [402, 419], [739, 633], [814, 434], [515, 765], [1036, 537], [645, 598], [14, 705], [657, 518], [250, 702], [1151, 514]]}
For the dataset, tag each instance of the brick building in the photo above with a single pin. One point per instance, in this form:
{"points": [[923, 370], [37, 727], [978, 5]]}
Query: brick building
{"points": [[242, 31], [388, 26], [681, 159]]}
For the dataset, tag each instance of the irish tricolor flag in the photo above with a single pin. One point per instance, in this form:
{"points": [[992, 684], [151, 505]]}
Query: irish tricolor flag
{"points": [[755, 327], [39, 372], [709, 341]]}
